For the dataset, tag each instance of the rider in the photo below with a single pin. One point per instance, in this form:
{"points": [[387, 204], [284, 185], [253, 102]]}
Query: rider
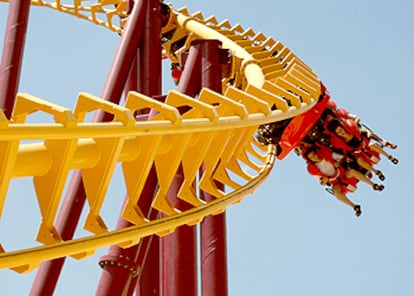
{"points": [[346, 136], [332, 111], [176, 72], [327, 166]]}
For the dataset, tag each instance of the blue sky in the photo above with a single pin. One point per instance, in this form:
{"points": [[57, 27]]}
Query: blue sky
{"points": [[290, 237]]}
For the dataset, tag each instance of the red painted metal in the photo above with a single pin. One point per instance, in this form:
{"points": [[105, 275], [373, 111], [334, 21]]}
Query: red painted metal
{"points": [[150, 66], [179, 263], [13, 48], [190, 80], [48, 274], [132, 83], [179, 252], [211, 64], [202, 67], [213, 228], [149, 284], [144, 257], [150, 83], [125, 57], [116, 279], [214, 255], [299, 126]]}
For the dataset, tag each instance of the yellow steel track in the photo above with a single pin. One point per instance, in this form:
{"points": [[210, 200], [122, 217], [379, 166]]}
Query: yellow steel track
{"points": [[267, 83]]}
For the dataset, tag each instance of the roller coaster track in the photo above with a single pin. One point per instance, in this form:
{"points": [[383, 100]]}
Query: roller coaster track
{"points": [[267, 83]]}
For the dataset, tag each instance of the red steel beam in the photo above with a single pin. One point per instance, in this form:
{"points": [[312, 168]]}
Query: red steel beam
{"points": [[179, 249], [150, 74], [144, 257], [190, 80], [213, 228], [202, 68], [179, 252], [48, 273], [13, 48]]}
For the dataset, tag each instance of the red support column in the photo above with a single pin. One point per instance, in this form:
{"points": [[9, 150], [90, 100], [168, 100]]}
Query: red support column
{"points": [[12, 56], [179, 252], [121, 279], [203, 67], [48, 273], [179, 249], [125, 58], [143, 259], [190, 81], [213, 228], [214, 255], [150, 65]]}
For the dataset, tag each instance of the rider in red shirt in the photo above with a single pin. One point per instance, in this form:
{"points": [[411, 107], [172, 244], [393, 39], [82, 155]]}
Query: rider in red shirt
{"points": [[346, 136], [327, 165]]}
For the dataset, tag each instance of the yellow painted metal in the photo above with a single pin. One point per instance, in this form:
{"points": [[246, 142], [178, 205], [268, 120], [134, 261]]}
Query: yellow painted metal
{"points": [[226, 107], [26, 260], [49, 187], [193, 159], [88, 103], [135, 172], [137, 168], [267, 83], [274, 100], [137, 102], [219, 144], [8, 155], [177, 145], [167, 165], [292, 98], [251, 103], [96, 179], [251, 69]]}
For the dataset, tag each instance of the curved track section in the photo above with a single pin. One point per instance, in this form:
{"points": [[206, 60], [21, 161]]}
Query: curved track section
{"points": [[267, 83]]}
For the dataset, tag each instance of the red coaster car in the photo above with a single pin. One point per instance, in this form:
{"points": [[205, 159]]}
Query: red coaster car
{"points": [[300, 126]]}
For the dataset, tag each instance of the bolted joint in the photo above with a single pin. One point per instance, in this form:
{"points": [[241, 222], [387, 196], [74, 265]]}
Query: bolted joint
{"points": [[120, 261]]}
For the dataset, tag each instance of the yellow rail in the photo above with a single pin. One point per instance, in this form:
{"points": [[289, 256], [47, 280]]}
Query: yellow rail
{"points": [[267, 83], [26, 260]]}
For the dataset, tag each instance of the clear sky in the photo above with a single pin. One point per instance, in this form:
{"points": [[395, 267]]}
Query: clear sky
{"points": [[290, 237]]}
